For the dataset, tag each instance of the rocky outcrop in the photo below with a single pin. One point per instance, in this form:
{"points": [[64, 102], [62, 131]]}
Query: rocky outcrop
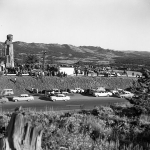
{"points": [[21, 134]]}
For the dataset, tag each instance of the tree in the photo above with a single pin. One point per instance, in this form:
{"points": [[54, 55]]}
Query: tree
{"points": [[16, 61], [32, 60], [141, 89]]}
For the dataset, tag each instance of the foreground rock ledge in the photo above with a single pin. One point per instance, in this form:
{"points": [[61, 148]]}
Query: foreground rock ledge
{"points": [[21, 134]]}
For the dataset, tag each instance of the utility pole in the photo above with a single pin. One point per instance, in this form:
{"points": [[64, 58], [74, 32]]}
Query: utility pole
{"points": [[44, 53]]}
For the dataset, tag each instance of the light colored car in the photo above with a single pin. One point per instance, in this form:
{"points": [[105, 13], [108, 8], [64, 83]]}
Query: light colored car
{"points": [[76, 90], [117, 91], [60, 97], [7, 92], [23, 97], [55, 91], [64, 92], [125, 94], [3, 99], [73, 91], [102, 94], [79, 90], [52, 92]]}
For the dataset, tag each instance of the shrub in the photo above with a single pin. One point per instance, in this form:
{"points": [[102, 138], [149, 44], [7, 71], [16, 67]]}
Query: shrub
{"points": [[141, 89]]}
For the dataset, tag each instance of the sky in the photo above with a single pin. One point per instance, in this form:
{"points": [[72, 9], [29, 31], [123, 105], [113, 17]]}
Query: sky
{"points": [[110, 24]]}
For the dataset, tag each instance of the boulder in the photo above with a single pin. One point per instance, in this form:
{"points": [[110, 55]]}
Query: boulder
{"points": [[21, 134]]}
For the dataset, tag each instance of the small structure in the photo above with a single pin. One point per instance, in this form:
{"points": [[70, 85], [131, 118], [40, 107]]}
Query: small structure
{"points": [[134, 74], [67, 70]]}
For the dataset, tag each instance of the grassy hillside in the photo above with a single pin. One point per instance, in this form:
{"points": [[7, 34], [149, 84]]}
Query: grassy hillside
{"points": [[57, 53], [27, 82]]}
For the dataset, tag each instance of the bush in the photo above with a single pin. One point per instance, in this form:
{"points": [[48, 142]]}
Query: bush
{"points": [[141, 89]]}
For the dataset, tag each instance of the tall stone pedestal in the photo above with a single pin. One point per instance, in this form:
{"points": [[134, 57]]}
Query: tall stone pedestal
{"points": [[9, 52]]}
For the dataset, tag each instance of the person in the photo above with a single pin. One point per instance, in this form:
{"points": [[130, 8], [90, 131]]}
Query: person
{"points": [[15, 80], [32, 89], [6, 71], [37, 76], [132, 73]]}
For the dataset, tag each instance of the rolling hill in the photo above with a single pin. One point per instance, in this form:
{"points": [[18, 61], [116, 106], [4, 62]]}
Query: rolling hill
{"points": [[56, 53]]}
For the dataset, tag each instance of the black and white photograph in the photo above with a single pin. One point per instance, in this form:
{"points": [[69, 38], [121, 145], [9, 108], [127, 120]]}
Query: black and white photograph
{"points": [[74, 74]]}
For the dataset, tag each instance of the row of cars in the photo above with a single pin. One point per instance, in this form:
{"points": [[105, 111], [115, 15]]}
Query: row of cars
{"points": [[101, 92], [63, 91], [56, 94], [63, 95], [122, 93]]}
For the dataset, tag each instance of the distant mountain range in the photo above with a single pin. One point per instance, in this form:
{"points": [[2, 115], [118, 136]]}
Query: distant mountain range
{"points": [[56, 53]]}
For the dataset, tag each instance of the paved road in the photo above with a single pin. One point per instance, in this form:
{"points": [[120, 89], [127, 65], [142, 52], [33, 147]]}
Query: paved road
{"points": [[77, 102]]}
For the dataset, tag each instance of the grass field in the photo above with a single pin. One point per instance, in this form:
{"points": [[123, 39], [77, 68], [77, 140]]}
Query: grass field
{"points": [[27, 82]]}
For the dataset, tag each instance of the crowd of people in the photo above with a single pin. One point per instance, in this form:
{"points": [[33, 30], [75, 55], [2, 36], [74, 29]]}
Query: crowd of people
{"points": [[53, 70], [34, 71]]}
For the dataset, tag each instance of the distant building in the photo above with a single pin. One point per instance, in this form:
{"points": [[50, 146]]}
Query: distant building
{"points": [[133, 73], [67, 70]]}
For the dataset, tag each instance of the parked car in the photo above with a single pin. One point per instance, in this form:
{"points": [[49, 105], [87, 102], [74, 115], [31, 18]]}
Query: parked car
{"points": [[35, 90], [55, 91], [43, 91], [76, 90], [79, 90], [3, 99], [92, 91], [49, 92], [63, 91], [89, 91], [116, 91], [60, 97], [102, 94], [23, 97], [52, 92], [124, 94], [73, 90], [6, 92]]}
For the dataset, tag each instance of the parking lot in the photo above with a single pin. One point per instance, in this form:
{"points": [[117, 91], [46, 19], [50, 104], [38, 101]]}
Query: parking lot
{"points": [[42, 103]]}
